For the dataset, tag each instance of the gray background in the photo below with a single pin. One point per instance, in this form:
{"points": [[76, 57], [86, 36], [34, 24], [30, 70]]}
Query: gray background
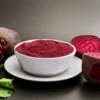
{"points": [[58, 19]]}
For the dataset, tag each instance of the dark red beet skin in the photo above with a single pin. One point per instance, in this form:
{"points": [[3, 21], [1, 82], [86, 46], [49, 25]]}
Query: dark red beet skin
{"points": [[45, 48], [86, 43]]}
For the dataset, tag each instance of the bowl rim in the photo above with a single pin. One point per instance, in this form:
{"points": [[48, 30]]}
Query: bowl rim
{"points": [[73, 52]]}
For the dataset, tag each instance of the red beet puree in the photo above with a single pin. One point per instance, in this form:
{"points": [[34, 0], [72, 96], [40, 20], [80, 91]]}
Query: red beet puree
{"points": [[45, 48]]}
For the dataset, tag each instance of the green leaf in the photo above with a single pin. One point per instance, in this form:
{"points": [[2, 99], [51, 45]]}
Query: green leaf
{"points": [[1, 65], [4, 93], [6, 87], [4, 82]]}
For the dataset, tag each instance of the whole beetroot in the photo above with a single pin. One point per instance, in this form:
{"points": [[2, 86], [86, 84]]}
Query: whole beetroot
{"points": [[8, 39]]}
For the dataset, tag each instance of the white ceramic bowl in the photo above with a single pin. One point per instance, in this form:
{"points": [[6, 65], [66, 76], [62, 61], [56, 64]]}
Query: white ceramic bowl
{"points": [[44, 66]]}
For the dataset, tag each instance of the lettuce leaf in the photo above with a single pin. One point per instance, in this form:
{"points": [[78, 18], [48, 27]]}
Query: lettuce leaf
{"points": [[6, 87], [4, 93], [4, 82]]}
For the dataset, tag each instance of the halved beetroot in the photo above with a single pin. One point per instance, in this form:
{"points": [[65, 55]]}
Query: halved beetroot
{"points": [[91, 67], [86, 43]]}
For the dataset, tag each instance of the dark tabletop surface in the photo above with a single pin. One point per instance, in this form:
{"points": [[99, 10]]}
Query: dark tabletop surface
{"points": [[76, 88], [14, 14]]}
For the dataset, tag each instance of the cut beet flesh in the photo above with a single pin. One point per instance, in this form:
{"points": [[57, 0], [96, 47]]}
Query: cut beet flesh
{"points": [[94, 55], [86, 43], [95, 73]]}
